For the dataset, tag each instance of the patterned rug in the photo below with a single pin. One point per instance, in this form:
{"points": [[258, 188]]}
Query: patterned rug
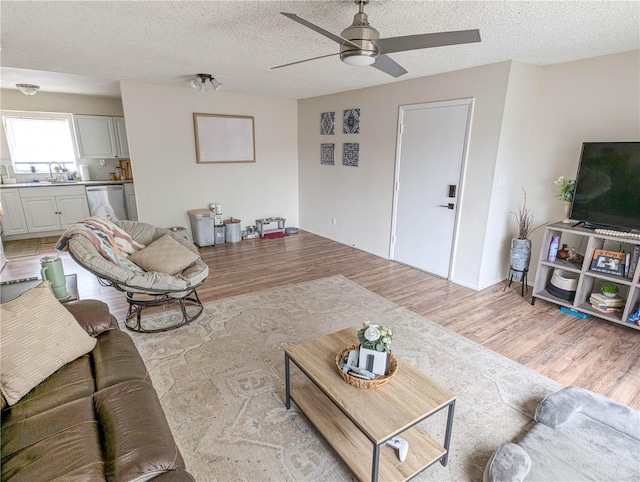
{"points": [[221, 383]]}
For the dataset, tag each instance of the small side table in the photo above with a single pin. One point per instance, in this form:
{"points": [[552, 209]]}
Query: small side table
{"points": [[12, 289], [523, 279]]}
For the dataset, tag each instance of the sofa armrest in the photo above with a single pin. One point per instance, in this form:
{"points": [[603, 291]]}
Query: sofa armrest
{"points": [[558, 408], [92, 315]]}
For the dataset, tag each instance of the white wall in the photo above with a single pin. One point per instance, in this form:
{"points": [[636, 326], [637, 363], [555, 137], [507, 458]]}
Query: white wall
{"points": [[508, 179], [595, 99], [361, 198], [528, 124], [168, 180]]}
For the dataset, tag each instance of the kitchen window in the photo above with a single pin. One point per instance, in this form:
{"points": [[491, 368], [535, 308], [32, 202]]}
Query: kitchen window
{"points": [[36, 139]]}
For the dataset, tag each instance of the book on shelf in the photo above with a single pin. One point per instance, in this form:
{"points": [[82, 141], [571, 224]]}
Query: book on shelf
{"points": [[601, 299], [608, 262], [607, 309], [605, 306]]}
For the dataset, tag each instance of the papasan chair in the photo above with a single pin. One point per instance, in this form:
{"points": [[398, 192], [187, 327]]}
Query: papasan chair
{"points": [[152, 266]]}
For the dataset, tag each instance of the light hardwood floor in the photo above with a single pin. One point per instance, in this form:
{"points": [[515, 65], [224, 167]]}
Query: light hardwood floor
{"points": [[591, 353]]}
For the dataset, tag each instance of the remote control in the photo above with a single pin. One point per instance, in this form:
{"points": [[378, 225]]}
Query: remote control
{"points": [[402, 445]]}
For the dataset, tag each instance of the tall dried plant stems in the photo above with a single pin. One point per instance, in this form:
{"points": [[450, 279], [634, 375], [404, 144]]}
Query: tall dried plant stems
{"points": [[524, 218]]}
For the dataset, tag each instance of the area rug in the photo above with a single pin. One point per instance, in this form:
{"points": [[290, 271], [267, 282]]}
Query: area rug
{"points": [[22, 247], [221, 383]]}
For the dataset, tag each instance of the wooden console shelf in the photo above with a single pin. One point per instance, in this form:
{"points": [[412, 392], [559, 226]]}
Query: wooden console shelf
{"points": [[587, 241]]}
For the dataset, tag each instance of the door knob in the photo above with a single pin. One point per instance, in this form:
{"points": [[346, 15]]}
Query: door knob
{"points": [[448, 206]]}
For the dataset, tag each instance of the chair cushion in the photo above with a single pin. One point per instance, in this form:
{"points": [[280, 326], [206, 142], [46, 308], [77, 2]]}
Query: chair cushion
{"points": [[164, 255], [38, 336]]}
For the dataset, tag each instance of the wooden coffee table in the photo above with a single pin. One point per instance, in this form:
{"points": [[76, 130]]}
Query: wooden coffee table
{"points": [[357, 421]]}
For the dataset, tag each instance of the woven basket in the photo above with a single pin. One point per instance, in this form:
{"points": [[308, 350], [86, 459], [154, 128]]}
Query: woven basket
{"points": [[378, 381]]}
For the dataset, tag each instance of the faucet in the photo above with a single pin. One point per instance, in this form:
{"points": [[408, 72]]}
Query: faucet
{"points": [[51, 172]]}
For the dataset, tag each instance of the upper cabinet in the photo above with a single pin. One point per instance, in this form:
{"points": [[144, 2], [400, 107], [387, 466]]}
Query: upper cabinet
{"points": [[101, 137], [122, 147]]}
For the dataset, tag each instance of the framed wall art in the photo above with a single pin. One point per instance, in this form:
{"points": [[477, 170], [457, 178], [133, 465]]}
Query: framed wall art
{"points": [[328, 154], [224, 138], [351, 121], [351, 154], [328, 123]]}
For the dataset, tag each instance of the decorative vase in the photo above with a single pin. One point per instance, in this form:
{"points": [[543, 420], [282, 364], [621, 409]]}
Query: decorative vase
{"points": [[567, 212], [520, 256]]}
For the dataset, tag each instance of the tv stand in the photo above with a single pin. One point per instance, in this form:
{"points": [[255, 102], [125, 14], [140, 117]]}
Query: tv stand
{"points": [[588, 281]]}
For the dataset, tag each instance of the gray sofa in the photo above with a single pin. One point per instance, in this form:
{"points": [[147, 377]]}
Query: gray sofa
{"points": [[579, 435]]}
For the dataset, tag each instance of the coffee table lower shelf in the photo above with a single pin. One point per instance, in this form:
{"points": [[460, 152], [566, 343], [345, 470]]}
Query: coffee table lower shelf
{"points": [[356, 449]]}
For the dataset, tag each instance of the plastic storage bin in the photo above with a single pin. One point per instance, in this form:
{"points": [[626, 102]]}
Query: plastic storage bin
{"points": [[202, 226], [219, 234]]}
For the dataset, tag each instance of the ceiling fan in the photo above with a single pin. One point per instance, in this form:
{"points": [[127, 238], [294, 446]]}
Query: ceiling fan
{"points": [[360, 43]]}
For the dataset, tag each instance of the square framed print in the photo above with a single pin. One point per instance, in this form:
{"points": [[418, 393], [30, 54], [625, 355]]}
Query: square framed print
{"points": [[224, 138], [328, 123], [351, 121], [351, 154], [328, 154]]}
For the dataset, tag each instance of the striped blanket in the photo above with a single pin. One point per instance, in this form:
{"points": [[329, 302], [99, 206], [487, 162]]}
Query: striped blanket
{"points": [[113, 242]]}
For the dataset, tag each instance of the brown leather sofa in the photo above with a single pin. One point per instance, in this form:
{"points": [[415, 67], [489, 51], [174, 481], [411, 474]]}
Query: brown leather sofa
{"points": [[96, 418]]}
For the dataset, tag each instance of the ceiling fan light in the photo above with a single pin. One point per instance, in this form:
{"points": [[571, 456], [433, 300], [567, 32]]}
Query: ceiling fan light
{"points": [[357, 60], [28, 89]]}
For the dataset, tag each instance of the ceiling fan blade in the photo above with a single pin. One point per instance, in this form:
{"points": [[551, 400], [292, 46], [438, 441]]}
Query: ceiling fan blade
{"points": [[388, 66], [306, 60], [320, 30], [426, 40]]}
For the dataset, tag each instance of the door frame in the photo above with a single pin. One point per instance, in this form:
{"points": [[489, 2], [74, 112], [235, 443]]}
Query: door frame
{"points": [[469, 102]]}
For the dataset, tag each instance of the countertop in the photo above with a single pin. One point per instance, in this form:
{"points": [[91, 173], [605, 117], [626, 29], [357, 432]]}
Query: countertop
{"points": [[69, 183]]}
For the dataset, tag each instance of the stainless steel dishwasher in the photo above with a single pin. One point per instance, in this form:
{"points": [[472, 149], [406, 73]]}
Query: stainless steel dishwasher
{"points": [[107, 201]]}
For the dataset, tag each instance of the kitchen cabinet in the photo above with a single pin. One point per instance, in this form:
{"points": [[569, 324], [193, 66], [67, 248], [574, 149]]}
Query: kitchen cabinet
{"points": [[53, 208], [130, 197], [100, 137], [13, 220], [122, 146]]}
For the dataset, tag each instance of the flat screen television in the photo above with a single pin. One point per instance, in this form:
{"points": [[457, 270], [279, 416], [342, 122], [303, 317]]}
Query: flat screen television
{"points": [[607, 191]]}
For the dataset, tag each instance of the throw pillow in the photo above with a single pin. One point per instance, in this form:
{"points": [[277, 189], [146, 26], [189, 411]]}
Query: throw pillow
{"points": [[37, 336], [164, 255]]}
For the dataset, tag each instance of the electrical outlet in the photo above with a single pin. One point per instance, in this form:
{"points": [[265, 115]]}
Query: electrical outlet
{"points": [[333, 221], [102, 162]]}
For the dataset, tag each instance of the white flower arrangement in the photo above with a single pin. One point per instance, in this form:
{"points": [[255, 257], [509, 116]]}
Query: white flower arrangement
{"points": [[375, 337], [567, 189]]}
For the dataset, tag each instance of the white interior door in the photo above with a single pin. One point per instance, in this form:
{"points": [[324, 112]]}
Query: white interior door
{"points": [[430, 156]]}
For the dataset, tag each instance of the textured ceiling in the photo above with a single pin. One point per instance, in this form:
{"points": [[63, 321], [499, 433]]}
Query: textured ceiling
{"points": [[88, 46]]}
